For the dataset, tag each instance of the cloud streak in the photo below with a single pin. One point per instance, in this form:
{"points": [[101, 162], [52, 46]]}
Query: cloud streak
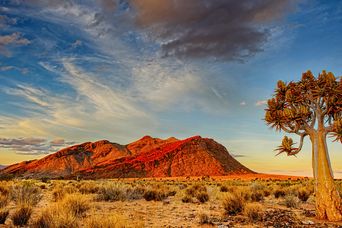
{"points": [[14, 39], [31, 146]]}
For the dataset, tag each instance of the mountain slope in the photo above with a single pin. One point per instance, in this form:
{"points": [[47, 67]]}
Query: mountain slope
{"points": [[146, 157]]}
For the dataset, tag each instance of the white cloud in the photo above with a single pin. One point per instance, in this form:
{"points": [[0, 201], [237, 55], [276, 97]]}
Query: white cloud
{"points": [[261, 103], [243, 103]]}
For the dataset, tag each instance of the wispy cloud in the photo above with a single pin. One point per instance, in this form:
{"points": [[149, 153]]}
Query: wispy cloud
{"points": [[31, 146], [261, 103], [14, 39]]}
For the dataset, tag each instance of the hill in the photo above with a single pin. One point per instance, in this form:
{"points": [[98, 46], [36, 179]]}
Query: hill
{"points": [[146, 157]]}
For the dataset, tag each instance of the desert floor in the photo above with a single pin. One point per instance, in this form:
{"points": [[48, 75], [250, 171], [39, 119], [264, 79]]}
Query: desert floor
{"points": [[235, 201]]}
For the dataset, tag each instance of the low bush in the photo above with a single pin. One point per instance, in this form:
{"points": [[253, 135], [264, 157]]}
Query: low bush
{"points": [[111, 193], [56, 217], [21, 216], [135, 193], [3, 216], [257, 196], [279, 193], [303, 194], [254, 211], [233, 204], [4, 199], [76, 204], [204, 219], [59, 191], [156, 195], [291, 201], [224, 188], [187, 199], [26, 194], [202, 197]]}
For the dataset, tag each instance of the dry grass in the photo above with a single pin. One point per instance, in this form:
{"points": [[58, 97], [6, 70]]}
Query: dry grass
{"points": [[76, 204], [4, 199], [233, 204], [156, 195], [291, 201], [204, 219], [303, 194], [106, 221], [279, 193], [21, 216], [3, 215], [25, 194], [56, 217], [60, 191], [111, 192], [126, 203], [254, 211]]}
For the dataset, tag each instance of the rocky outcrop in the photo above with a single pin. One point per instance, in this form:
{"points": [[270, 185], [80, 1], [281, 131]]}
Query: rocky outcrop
{"points": [[147, 157]]}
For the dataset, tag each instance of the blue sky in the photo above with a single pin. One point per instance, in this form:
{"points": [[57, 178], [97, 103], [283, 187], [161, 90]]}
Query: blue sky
{"points": [[75, 71]]}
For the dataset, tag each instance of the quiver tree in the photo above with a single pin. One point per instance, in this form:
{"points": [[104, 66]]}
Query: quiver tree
{"points": [[311, 107]]}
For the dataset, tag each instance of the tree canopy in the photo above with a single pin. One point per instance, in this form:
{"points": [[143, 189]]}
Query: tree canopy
{"points": [[305, 107]]}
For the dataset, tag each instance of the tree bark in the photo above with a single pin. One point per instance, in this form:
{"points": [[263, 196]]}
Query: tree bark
{"points": [[328, 201]]}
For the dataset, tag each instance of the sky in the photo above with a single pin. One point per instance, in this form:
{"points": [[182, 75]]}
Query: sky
{"points": [[74, 71]]}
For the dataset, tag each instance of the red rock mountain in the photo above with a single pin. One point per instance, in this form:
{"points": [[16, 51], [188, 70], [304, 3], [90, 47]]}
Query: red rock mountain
{"points": [[147, 157]]}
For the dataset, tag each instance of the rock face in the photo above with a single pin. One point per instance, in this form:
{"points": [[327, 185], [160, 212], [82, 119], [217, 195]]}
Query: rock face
{"points": [[147, 157]]}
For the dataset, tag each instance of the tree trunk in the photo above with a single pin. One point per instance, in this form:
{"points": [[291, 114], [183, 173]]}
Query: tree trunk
{"points": [[328, 201]]}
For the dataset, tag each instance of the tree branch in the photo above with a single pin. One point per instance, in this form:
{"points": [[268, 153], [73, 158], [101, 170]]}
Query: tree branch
{"points": [[297, 150]]}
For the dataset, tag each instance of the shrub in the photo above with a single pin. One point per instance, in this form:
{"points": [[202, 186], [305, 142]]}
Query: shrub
{"points": [[26, 194], [257, 196], [135, 193], [56, 217], [156, 195], [187, 199], [21, 216], [303, 194], [88, 188], [59, 192], [6, 177], [267, 192], [4, 199], [77, 204], [110, 193], [224, 188], [279, 193], [254, 211], [4, 190], [172, 193], [103, 221], [233, 204], [204, 219], [3, 216], [202, 197], [291, 201]]}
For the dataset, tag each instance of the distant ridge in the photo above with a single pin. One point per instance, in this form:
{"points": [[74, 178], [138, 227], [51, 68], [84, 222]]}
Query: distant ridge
{"points": [[146, 157]]}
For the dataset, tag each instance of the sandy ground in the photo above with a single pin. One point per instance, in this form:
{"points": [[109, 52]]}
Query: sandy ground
{"points": [[172, 212]]}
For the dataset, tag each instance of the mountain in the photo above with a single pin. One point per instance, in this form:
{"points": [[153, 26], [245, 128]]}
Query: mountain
{"points": [[2, 166], [147, 157]]}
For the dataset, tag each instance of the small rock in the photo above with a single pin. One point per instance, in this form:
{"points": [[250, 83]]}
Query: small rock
{"points": [[308, 222]]}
